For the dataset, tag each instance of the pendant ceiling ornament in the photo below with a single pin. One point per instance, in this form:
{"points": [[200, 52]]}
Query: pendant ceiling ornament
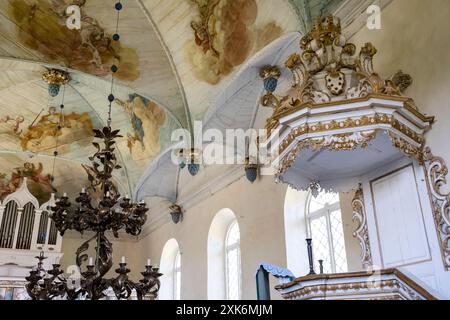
{"points": [[339, 116]]}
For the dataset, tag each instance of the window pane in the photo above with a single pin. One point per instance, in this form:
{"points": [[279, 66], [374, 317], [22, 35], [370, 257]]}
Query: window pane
{"points": [[178, 286], [233, 263], [233, 274], [321, 248], [322, 199], [177, 277], [337, 232], [233, 235]]}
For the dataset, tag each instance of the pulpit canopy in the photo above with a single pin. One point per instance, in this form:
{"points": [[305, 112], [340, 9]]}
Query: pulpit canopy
{"points": [[339, 120]]}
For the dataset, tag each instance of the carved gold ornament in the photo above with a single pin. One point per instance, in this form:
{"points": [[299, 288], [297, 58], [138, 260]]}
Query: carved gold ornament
{"points": [[338, 142], [362, 233], [321, 71], [56, 77], [436, 172]]}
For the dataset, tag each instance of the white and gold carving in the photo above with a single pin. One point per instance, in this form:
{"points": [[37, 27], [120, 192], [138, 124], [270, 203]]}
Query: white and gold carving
{"points": [[337, 142], [407, 148], [335, 82], [436, 172], [388, 284], [338, 102], [361, 233]]}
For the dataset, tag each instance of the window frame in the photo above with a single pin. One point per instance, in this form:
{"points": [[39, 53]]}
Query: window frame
{"points": [[175, 272], [228, 249], [326, 212]]}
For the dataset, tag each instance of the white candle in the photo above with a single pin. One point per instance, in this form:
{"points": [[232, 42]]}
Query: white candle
{"points": [[123, 260], [83, 190], [91, 261], [127, 196], [108, 194], [65, 194], [149, 262]]}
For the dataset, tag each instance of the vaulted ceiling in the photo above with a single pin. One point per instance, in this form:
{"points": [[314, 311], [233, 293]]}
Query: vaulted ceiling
{"points": [[175, 58]]}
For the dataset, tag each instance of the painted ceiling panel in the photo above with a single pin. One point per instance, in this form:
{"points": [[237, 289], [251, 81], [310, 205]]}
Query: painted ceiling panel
{"points": [[29, 120], [206, 58], [35, 30], [176, 57]]}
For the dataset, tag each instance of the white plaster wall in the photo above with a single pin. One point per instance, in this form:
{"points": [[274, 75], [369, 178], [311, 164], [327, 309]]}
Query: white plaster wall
{"points": [[415, 38], [259, 210], [121, 248]]}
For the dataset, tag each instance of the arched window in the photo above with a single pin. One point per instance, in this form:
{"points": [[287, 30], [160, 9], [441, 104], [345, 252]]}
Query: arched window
{"points": [[325, 225], [233, 262], [177, 277], [171, 270], [224, 257]]}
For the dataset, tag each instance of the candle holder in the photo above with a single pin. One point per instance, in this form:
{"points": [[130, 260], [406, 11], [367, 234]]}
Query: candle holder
{"points": [[149, 285], [321, 266], [310, 256]]}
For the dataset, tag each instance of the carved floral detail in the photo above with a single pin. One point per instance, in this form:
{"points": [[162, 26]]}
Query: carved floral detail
{"points": [[361, 232], [436, 172]]}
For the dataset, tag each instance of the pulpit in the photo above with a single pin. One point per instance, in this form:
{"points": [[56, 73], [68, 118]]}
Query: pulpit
{"points": [[341, 127]]}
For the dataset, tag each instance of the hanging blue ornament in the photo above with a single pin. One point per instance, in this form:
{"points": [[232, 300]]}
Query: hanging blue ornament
{"points": [[53, 90], [193, 168], [251, 173], [270, 84]]}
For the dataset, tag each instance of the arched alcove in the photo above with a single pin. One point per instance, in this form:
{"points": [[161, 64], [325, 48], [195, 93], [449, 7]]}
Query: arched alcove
{"points": [[217, 254], [170, 268]]}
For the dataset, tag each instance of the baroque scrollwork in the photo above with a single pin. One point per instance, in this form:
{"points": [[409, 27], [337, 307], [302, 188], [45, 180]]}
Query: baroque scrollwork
{"points": [[436, 172], [407, 148], [337, 142], [328, 70], [361, 233]]}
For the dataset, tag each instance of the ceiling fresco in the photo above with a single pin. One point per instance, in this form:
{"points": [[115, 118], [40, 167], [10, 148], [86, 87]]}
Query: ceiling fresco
{"points": [[41, 26], [174, 56], [225, 35]]}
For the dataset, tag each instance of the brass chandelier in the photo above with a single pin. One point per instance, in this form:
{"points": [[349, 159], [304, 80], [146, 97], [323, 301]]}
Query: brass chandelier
{"points": [[112, 214]]}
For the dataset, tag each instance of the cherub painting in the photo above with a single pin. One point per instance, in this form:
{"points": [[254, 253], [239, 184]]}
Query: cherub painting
{"points": [[146, 119], [39, 184], [42, 134]]}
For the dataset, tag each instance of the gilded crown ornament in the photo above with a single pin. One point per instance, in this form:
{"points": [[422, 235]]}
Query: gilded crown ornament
{"points": [[176, 212], [55, 79]]}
